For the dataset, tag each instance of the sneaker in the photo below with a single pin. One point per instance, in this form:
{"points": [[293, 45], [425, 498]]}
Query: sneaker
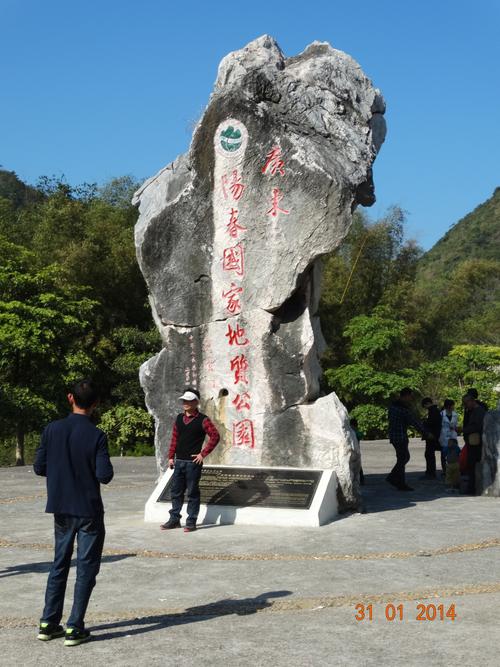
{"points": [[74, 637], [48, 631], [170, 524], [189, 529]]}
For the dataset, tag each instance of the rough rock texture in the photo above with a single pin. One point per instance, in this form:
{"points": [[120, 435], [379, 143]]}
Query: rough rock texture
{"points": [[229, 240], [490, 473]]}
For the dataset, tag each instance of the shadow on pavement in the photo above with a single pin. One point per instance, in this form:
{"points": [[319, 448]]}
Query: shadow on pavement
{"points": [[380, 496], [44, 567], [144, 624]]}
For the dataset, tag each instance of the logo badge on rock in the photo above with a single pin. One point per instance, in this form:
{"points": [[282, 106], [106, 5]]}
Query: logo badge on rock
{"points": [[230, 139]]}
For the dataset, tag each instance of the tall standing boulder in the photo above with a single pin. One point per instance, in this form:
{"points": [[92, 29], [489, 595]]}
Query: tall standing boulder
{"points": [[230, 238], [489, 468]]}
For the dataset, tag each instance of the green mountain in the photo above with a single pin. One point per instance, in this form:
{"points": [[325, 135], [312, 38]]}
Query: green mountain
{"points": [[16, 191], [476, 236]]}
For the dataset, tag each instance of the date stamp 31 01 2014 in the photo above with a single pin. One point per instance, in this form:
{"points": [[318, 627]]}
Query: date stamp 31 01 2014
{"points": [[400, 612]]}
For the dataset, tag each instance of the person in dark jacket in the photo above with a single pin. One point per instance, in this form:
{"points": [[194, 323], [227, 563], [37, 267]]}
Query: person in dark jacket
{"points": [[432, 424], [185, 456], [400, 419], [473, 436], [73, 456], [475, 395]]}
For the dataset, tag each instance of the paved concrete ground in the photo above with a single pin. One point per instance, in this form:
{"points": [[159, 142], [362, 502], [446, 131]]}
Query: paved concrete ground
{"points": [[259, 596]]}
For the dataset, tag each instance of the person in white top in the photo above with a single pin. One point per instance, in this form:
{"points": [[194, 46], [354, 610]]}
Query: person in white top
{"points": [[449, 424]]}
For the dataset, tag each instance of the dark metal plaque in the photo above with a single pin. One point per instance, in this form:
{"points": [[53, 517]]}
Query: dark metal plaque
{"points": [[259, 487]]}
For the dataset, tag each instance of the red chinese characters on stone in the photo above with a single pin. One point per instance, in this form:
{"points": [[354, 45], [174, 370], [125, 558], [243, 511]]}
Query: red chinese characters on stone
{"points": [[275, 208], [242, 401], [243, 434], [233, 259], [233, 304], [236, 336], [239, 366], [232, 185], [233, 226], [274, 164]]}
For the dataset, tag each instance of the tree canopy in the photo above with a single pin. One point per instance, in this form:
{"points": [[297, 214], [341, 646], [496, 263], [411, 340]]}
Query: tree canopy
{"points": [[72, 303]]}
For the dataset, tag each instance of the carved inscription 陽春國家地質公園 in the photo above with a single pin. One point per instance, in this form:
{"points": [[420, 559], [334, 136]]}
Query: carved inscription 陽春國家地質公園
{"points": [[231, 140]]}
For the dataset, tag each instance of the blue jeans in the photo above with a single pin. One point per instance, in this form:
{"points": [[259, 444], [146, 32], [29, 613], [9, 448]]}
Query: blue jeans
{"points": [[90, 540], [186, 477]]}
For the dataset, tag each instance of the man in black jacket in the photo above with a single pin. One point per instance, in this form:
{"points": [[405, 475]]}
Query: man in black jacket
{"points": [[73, 456], [400, 419]]}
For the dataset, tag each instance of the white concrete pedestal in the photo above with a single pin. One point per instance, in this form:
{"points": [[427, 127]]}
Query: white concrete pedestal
{"points": [[323, 507]]}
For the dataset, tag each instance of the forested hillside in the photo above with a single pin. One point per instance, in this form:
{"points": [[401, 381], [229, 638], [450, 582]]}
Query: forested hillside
{"points": [[73, 303], [476, 236], [394, 317]]}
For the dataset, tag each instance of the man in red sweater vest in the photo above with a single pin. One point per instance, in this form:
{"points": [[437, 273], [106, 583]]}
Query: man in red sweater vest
{"points": [[186, 456]]}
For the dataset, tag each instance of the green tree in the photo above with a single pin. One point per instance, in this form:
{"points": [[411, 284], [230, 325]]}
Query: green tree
{"points": [[373, 262], [132, 347], [129, 429], [118, 192], [41, 317], [463, 367], [375, 369]]}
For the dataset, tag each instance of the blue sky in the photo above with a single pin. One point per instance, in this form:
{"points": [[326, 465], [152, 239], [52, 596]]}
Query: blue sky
{"points": [[96, 89]]}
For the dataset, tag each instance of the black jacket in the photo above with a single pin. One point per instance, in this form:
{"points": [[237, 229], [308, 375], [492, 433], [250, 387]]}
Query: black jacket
{"points": [[73, 455], [432, 422], [474, 422]]}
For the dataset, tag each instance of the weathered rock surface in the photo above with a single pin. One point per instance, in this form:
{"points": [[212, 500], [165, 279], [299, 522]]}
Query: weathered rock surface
{"points": [[229, 240], [490, 460]]}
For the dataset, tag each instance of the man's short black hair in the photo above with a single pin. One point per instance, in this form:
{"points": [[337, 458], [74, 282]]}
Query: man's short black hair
{"points": [[195, 391], [427, 401], [85, 393], [449, 403], [406, 391], [472, 392]]}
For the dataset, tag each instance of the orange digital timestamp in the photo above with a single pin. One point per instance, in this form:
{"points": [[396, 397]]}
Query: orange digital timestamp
{"points": [[398, 612]]}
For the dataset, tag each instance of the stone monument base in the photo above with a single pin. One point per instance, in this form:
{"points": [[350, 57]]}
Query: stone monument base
{"points": [[255, 495]]}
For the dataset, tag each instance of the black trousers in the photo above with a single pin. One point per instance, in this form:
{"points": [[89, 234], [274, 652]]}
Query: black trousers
{"points": [[473, 458], [397, 474], [430, 457]]}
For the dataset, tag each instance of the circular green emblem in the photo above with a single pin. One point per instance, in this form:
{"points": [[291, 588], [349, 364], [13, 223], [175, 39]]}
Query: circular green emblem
{"points": [[230, 139]]}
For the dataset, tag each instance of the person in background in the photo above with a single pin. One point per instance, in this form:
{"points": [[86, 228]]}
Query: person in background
{"points": [[400, 419], [473, 433], [449, 425], [452, 479], [186, 456], [432, 424], [474, 393], [73, 456], [359, 435]]}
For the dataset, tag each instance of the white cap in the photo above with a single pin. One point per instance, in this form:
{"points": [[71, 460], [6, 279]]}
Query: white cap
{"points": [[189, 396]]}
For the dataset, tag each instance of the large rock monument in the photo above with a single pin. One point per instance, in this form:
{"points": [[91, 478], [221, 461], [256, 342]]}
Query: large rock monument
{"points": [[230, 238], [489, 477]]}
